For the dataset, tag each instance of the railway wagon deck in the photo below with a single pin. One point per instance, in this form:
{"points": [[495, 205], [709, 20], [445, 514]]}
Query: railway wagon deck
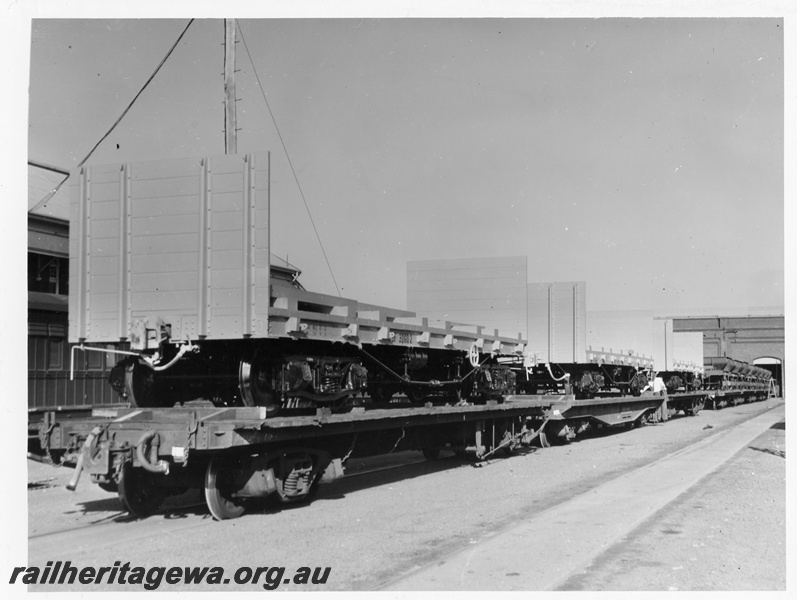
{"points": [[721, 398], [565, 422]]}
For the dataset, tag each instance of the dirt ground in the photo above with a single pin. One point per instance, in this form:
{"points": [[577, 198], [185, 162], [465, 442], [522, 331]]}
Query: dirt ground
{"points": [[728, 533]]}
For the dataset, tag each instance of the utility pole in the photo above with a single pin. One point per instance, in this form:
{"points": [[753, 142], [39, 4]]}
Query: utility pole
{"points": [[230, 124]]}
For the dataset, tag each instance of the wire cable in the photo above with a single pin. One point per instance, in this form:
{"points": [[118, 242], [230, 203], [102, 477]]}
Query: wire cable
{"points": [[122, 116], [290, 163]]}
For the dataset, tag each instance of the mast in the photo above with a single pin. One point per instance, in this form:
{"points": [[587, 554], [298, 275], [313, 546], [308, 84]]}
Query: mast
{"points": [[230, 124]]}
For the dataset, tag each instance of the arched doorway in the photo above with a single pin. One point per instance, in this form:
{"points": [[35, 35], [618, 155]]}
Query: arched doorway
{"points": [[775, 365]]}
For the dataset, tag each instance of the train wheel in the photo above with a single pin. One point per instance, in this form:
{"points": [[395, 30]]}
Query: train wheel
{"points": [[431, 453], [219, 488], [140, 385], [254, 382], [414, 395], [380, 393], [139, 496]]}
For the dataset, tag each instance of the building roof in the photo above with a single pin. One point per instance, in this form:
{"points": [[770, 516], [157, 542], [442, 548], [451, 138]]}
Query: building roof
{"points": [[42, 180], [45, 301]]}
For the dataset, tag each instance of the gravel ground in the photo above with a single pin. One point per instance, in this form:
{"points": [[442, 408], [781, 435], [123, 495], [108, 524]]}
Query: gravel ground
{"points": [[369, 529], [728, 533]]}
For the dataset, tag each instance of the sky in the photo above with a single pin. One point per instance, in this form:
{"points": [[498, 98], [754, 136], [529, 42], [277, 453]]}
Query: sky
{"points": [[644, 156]]}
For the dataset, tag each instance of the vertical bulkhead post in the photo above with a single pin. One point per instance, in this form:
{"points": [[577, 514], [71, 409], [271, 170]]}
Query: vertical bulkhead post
{"points": [[204, 291], [550, 324], [257, 250], [249, 294], [576, 358], [82, 299], [266, 302], [125, 249]]}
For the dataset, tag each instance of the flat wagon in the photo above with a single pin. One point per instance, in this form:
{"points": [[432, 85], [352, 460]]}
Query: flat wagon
{"points": [[237, 380], [237, 454]]}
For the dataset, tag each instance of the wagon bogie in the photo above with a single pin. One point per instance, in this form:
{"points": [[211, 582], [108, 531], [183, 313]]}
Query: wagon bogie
{"points": [[585, 380], [560, 432], [292, 475]]}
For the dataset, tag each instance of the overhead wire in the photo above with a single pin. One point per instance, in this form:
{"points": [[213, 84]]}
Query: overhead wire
{"points": [[287, 155], [45, 167], [122, 116]]}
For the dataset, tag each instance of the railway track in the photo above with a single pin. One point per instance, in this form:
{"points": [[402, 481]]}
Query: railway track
{"points": [[68, 542]]}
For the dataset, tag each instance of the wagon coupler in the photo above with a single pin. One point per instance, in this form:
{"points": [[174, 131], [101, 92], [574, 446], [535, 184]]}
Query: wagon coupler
{"points": [[149, 462]]}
